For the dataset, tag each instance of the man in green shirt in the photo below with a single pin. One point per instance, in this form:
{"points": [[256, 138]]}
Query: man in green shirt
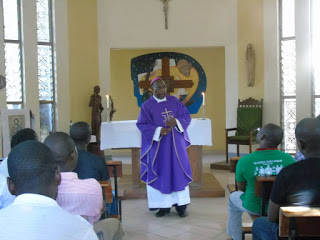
{"points": [[267, 160]]}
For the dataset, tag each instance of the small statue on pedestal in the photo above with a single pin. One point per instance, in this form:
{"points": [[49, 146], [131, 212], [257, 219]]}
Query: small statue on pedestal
{"points": [[95, 103]]}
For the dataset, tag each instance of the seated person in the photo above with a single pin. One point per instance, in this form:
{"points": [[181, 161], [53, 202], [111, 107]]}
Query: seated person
{"points": [[89, 165], [297, 184], [5, 196], [267, 160], [34, 214], [77, 196], [22, 135]]}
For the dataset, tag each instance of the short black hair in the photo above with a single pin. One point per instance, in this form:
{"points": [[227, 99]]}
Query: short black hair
{"points": [[273, 134], [23, 135], [80, 132], [61, 146], [31, 166]]}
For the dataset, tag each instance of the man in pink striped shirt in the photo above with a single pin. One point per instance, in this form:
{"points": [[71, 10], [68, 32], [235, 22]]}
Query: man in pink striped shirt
{"points": [[77, 196]]}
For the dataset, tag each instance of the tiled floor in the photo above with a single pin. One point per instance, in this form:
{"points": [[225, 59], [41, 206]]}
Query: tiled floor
{"points": [[206, 220]]}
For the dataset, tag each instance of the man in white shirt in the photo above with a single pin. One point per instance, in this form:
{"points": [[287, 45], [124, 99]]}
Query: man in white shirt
{"points": [[34, 214], [21, 136]]}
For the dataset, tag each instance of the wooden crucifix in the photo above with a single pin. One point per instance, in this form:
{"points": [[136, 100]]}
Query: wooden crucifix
{"points": [[165, 10], [169, 80]]}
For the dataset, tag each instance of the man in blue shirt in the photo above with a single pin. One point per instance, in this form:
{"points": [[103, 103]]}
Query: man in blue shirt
{"points": [[89, 165]]}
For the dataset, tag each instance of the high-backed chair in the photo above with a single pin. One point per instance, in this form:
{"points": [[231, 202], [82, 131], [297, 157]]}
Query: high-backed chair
{"points": [[249, 118]]}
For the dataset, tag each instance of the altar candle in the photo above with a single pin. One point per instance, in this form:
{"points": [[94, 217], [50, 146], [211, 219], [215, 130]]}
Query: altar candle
{"points": [[204, 98], [108, 101]]}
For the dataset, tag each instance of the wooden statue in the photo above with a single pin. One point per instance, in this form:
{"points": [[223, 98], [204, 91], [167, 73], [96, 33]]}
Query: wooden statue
{"points": [[250, 63], [95, 103]]}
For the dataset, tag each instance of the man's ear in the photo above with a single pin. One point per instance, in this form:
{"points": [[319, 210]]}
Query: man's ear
{"points": [[301, 145], [11, 186], [57, 176]]}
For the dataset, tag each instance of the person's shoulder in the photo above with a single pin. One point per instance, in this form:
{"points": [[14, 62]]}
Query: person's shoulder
{"points": [[149, 102], [285, 156], [245, 159], [173, 99], [91, 183]]}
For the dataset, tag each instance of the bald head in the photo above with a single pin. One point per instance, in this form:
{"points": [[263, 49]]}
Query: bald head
{"points": [[270, 136], [63, 149], [80, 132], [308, 137]]}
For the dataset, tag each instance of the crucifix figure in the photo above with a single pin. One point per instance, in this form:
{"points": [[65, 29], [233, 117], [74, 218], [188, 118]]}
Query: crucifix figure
{"points": [[165, 10], [169, 80]]}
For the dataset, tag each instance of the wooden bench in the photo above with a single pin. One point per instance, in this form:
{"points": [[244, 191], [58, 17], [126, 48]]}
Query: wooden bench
{"points": [[263, 187], [299, 222]]}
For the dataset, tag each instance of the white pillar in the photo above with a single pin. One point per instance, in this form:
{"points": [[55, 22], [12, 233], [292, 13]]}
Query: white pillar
{"points": [[30, 59], [303, 64], [272, 103]]}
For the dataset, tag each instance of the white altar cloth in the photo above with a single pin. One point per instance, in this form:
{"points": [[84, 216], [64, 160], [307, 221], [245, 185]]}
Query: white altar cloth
{"points": [[125, 134]]}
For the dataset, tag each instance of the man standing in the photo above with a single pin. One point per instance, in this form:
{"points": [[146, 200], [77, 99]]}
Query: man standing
{"points": [[165, 166], [34, 214], [267, 160], [297, 184]]}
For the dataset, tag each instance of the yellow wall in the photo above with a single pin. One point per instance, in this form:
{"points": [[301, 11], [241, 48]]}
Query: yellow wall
{"points": [[212, 59], [83, 56], [250, 30]]}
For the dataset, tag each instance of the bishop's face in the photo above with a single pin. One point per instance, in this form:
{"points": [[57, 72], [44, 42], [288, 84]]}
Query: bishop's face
{"points": [[159, 89]]}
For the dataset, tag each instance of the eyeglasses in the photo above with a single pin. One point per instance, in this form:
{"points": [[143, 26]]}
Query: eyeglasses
{"points": [[261, 131]]}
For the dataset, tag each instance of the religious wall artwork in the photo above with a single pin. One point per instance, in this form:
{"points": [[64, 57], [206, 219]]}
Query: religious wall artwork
{"points": [[183, 75], [250, 64], [13, 120]]}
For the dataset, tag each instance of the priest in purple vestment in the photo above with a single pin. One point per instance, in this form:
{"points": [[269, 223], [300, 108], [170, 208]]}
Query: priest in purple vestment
{"points": [[165, 166]]}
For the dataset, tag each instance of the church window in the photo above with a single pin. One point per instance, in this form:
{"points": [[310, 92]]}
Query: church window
{"points": [[315, 56], [288, 73], [46, 73], [13, 53]]}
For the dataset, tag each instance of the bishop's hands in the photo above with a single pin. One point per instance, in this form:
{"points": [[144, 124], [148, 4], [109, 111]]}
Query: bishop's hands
{"points": [[165, 131], [171, 122]]}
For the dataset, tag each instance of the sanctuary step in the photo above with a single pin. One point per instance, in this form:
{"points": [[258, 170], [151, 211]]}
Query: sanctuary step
{"points": [[210, 187], [220, 165]]}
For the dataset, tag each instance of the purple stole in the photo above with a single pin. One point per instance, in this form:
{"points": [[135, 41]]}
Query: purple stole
{"points": [[165, 164]]}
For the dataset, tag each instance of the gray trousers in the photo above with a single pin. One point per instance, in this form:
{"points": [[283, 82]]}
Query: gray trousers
{"points": [[235, 211], [108, 229]]}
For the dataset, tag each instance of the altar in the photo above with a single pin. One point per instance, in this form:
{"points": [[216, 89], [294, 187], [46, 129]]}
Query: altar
{"points": [[126, 135]]}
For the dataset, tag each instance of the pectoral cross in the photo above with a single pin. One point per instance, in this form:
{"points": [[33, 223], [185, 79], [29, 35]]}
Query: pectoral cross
{"points": [[165, 10], [166, 114]]}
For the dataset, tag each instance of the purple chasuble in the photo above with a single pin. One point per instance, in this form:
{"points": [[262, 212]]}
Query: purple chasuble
{"points": [[165, 164]]}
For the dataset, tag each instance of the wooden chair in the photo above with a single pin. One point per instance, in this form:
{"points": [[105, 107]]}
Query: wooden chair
{"points": [[116, 171], [233, 163], [107, 194], [249, 118], [299, 222]]}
